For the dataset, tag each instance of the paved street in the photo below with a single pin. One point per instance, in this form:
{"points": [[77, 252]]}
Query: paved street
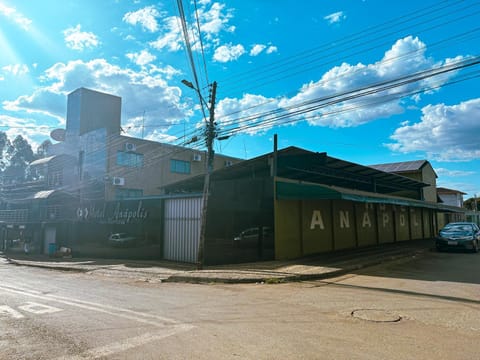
{"points": [[413, 308]]}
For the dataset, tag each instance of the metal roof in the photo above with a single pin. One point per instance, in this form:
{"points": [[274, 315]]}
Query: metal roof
{"points": [[299, 164], [42, 161], [303, 165], [45, 194], [405, 166], [61, 157], [442, 190]]}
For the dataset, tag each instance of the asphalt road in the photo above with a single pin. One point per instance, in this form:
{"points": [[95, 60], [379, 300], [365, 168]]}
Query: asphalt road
{"points": [[425, 308]]}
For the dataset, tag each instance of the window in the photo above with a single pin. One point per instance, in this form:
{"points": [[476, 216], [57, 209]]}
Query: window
{"points": [[55, 179], [127, 193], [129, 159], [180, 166]]}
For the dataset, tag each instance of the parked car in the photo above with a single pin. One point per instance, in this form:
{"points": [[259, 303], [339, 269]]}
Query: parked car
{"points": [[251, 235], [121, 240], [462, 235]]}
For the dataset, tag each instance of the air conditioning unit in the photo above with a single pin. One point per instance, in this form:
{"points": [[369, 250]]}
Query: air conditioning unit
{"points": [[228, 163], [118, 181], [130, 147], [197, 157]]}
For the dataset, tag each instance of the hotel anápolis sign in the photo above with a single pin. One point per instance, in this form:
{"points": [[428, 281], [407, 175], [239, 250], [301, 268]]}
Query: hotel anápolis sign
{"points": [[113, 215]]}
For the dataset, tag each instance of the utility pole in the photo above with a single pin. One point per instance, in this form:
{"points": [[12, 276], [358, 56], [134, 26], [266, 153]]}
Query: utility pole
{"points": [[210, 134]]}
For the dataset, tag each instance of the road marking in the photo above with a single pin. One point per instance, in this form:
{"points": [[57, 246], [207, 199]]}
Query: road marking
{"points": [[103, 308], [38, 309], [169, 327], [7, 310], [127, 344]]}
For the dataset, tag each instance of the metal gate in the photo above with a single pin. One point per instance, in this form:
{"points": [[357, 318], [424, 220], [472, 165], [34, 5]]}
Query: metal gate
{"points": [[182, 229]]}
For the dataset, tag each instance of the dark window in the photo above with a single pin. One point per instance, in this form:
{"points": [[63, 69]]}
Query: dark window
{"points": [[129, 159], [127, 193], [180, 166]]}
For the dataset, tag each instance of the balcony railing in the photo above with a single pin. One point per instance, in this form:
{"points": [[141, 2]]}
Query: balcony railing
{"points": [[14, 216]]}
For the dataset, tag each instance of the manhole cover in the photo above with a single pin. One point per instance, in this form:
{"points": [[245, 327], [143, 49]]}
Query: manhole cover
{"points": [[376, 315]]}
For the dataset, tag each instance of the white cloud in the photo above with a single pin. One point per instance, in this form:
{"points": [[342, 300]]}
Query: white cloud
{"points": [[446, 133], [26, 127], [453, 173], [335, 17], [15, 16], [244, 110], [160, 136], [142, 91], [16, 69], [229, 52], [405, 57], [141, 58], [213, 18], [171, 38], [257, 49], [271, 49], [168, 71], [146, 18], [79, 40]]}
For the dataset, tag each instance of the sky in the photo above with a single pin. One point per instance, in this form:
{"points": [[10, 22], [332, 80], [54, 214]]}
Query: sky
{"points": [[366, 81]]}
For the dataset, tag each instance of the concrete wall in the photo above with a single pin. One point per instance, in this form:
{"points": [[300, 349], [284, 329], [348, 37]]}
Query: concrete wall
{"points": [[156, 171], [304, 227], [429, 177]]}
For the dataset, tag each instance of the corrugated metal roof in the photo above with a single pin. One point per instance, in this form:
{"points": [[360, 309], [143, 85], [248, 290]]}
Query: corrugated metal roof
{"points": [[299, 164], [404, 166], [64, 158], [441, 190], [42, 161], [44, 194]]}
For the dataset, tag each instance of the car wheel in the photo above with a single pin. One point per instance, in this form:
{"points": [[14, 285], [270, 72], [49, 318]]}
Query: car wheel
{"points": [[439, 249], [475, 246]]}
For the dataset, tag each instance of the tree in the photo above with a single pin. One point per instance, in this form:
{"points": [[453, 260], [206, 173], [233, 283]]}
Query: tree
{"points": [[42, 150], [4, 145], [19, 154], [472, 204]]}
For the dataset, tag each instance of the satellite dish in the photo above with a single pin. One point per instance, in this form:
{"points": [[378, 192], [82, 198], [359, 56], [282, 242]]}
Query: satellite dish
{"points": [[58, 134]]}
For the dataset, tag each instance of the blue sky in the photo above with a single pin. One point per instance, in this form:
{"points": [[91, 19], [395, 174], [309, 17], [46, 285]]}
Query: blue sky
{"points": [[367, 81]]}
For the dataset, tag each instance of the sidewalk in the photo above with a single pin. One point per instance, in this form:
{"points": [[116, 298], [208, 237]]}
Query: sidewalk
{"points": [[309, 268]]}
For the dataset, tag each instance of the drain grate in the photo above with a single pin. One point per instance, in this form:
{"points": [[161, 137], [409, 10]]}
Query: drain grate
{"points": [[376, 315]]}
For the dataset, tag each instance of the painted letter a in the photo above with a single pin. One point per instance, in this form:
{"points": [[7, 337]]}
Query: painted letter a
{"points": [[317, 220]]}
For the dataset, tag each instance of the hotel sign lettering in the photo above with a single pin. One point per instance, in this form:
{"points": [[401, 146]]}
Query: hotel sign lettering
{"points": [[116, 215]]}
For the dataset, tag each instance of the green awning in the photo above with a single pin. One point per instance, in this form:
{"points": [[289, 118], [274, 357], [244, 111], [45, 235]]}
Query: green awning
{"points": [[307, 191]]}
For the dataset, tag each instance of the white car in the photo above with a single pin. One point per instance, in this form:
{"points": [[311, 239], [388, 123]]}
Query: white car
{"points": [[121, 240]]}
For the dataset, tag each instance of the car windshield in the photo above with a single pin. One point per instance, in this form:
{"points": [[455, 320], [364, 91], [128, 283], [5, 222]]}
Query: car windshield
{"points": [[458, 227]]}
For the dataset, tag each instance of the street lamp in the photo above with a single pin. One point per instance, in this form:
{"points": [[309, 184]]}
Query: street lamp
{"points": [[210, 135]]}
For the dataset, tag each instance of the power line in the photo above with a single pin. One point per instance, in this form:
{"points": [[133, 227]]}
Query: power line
{"points": [[315, 104], [289, 67]]}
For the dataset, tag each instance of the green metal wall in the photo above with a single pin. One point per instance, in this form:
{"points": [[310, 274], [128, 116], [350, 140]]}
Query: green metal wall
{"points": [[304, 227], [366, 224]]}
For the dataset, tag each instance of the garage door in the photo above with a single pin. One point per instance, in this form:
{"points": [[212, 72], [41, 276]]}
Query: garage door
{"points": [[182, 229]]}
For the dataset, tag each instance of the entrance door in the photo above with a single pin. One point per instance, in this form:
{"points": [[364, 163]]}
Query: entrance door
{"points": [[49, 238]]}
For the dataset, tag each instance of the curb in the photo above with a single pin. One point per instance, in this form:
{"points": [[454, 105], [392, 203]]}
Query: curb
{"points": [[47, 266], [271, 279], [293, 277]]}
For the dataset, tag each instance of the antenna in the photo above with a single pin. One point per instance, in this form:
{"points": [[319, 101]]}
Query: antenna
{"points": [[143, 123]]}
